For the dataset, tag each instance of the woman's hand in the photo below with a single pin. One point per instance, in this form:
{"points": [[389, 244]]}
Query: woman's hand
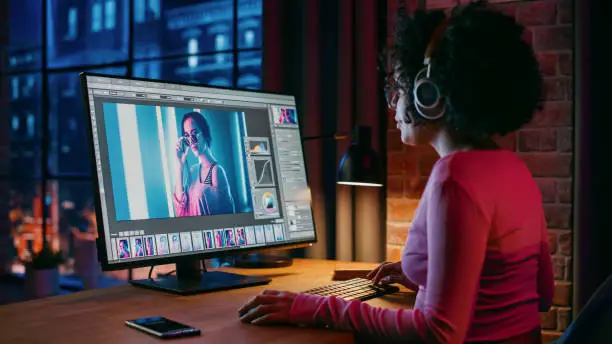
{"points": [[268, 308], [181, 151], [388, 273]]}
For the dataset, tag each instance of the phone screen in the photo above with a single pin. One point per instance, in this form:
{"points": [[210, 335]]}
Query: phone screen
{"points": [[161, 325]]}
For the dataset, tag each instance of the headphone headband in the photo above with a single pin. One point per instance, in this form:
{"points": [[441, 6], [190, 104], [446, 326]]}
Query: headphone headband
{"points": [[435, 38], [433, 108]]}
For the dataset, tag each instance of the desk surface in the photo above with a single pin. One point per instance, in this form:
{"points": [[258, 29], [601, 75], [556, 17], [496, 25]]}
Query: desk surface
{"points": [[98, 316]]}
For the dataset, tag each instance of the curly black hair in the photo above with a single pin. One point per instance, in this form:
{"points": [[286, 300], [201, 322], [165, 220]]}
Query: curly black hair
{"points": [[488, 74]]}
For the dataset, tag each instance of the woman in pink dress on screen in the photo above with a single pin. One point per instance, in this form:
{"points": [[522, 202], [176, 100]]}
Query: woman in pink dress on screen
{"points": [[477, 250], [203, 188]]}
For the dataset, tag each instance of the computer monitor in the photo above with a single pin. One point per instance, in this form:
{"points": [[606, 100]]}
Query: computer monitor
{"points": [[184, 172]]}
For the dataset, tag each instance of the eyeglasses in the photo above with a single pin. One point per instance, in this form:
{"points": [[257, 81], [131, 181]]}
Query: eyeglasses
{"points": [[192, 137]]}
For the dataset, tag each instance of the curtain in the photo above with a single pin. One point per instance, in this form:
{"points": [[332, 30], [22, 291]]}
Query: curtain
{"points": [[325, 53]]}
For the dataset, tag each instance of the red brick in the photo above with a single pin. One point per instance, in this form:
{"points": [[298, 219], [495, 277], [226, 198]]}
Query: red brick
{"points": [[397, 234], [394, 141], [395, 187], [440, 4], [568, 269], [394, 253], [548, 164], [548, 63], [558, 215], [508, 9], [507, 142], [426, 162], [557, 88], [396, 163], [550, 336], [566, 140], [548, 188], [537, 13], [553, 38], [566, 64], [401, 209], [552, 241], [562, 293], [528, 36], [564, 190], [537, 140], [565, 243], [566, 11], [414, 186], [549, 319], [558, 264], [564, 318], [554, 114]]}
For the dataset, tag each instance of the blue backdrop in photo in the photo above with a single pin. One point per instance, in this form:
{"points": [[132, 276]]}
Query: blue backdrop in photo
{"points": [[227, 130]]}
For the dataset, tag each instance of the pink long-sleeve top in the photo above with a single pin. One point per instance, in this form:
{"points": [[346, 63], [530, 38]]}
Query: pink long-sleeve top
{"points": [[477, 249]]}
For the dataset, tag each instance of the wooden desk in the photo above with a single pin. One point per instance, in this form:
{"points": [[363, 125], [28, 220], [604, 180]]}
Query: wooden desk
{"points": [[98, 316]]}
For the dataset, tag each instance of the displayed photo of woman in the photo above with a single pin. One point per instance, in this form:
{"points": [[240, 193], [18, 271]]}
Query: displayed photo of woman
{"points": [[240, 236], [124, 249], [209, 241], [175, 243], [149, 246], [162, 244], [202, 188], [230, 237], [198, 244], [198, 153], [186, 244], [219, 238], [138, 247]]}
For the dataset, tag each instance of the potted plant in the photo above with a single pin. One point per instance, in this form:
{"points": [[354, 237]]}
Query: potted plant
{"points": [[42, 272]]}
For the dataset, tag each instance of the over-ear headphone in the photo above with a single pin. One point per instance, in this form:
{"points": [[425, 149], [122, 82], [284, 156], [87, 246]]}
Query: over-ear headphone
{"points": [[428, 100]]}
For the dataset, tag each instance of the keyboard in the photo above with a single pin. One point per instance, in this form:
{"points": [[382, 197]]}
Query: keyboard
{"points": [[354, 289]]}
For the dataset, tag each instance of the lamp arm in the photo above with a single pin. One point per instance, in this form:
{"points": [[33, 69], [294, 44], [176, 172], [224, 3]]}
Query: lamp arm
{"points": [[326, 137]]}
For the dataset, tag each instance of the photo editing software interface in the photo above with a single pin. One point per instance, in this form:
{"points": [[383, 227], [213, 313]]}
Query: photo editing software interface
{"points": [[192, 169]]}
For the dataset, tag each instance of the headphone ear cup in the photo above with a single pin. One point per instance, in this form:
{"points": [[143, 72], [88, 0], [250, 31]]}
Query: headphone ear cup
{"points": [[428, 99]]}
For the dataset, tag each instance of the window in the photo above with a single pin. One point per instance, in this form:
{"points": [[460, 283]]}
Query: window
{"points": [[212, 42]]}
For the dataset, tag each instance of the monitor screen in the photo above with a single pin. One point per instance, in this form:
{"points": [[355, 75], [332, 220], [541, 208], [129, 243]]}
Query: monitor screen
{"points": [[193, 170]]}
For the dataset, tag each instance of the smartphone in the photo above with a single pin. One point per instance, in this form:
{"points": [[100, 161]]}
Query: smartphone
{"points": [[163, 328]]}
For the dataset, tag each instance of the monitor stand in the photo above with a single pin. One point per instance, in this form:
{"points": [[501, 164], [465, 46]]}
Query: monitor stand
{"points": [[192, 278]]}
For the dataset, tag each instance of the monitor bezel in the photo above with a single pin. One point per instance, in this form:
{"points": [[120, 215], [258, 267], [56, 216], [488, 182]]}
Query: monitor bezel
{"points": [[161, 260]]}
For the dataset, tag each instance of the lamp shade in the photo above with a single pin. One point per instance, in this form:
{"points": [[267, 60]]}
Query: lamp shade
{"points": [[360, 165]]}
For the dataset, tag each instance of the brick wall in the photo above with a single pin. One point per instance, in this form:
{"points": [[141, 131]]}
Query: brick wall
{"points": [[545, 145]]}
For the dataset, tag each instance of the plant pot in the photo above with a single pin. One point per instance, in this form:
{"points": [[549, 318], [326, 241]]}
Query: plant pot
{"points": [[41, 283], [86, 264]]}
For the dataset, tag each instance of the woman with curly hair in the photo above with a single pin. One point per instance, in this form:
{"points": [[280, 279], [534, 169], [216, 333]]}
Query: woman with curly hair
{"points": [[477, 251]]}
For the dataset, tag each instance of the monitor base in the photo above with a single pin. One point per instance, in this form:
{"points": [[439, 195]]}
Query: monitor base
{"points": [[191, 279], [262, 261]]}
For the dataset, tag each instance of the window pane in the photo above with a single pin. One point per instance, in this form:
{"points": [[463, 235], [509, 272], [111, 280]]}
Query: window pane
{"points": [[182, 27], [25, 216], [25, 35], [86, 32], [68, 149], [249, 67], [249, 23], [211, 70], [73, 218], [24, 92]]}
